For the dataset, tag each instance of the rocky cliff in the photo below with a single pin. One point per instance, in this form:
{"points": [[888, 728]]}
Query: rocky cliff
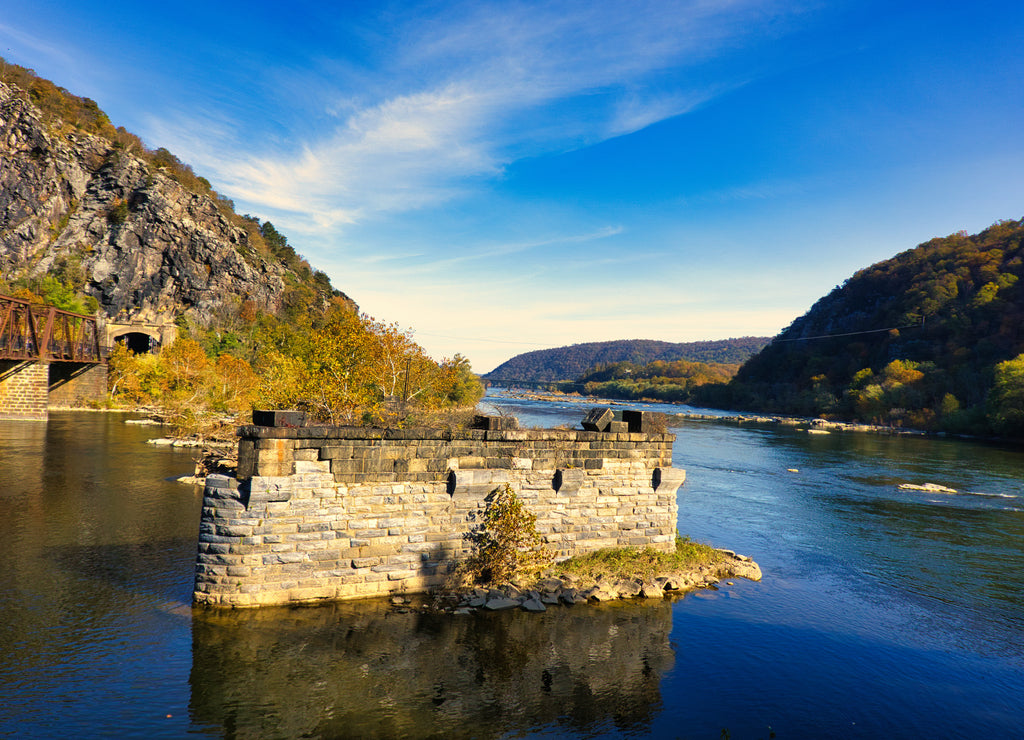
{"points": [[125, 231]]}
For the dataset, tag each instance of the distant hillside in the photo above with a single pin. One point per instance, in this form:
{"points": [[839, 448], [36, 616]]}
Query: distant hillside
{"points": [[89, 215], [931, 338], [569, 363]]}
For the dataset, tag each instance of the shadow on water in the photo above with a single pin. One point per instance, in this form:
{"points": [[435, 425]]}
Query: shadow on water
{"points": [[149, 569], [367, 670]]}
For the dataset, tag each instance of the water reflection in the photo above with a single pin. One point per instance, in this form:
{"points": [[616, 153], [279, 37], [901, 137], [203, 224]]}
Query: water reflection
{"points": [[364, 669]]}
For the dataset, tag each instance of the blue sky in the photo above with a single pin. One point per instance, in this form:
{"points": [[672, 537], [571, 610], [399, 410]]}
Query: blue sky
{"points": [[503, 177]]}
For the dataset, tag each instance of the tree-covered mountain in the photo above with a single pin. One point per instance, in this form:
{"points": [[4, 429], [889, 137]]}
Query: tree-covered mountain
{"points": [[669, 382], [569, 363], [931, 338], [92, 219]]}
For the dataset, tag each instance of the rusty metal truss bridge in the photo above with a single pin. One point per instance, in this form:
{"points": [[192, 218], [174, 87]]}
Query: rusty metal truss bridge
{"points": [[41, 333]]}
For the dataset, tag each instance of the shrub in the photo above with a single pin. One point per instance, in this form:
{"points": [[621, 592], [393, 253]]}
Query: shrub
{"points": [[507, 546], [118, 212]]}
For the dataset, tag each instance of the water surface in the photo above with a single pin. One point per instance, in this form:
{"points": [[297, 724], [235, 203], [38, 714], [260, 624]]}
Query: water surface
{"points": [[883, 613]]}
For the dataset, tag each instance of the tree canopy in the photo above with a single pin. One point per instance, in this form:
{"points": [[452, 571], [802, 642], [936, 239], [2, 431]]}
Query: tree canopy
{"points": [[337, 365], [920, 340]]}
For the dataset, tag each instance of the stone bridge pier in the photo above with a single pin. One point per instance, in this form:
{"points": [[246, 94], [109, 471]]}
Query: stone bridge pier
{"points": [[29, 388], [24, 390]]}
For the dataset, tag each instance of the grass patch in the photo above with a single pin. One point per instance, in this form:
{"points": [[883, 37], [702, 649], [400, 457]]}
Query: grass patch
{"points": [[632, 562]]}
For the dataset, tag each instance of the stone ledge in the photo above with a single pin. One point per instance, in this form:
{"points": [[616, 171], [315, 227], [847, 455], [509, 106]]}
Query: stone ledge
{"points": [[428, 434]]}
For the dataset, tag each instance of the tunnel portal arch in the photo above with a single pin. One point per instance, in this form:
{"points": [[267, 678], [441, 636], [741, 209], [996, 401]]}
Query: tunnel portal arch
{"points": [[139, 342], [140, 337]]}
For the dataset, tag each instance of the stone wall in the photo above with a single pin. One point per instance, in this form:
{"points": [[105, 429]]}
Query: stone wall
{"points": [[23, 390], [343, 512], [73, 385]]}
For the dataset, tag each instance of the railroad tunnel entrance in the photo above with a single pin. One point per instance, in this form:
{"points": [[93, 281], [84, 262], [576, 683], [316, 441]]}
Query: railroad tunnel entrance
{"points": [[139, 342]]}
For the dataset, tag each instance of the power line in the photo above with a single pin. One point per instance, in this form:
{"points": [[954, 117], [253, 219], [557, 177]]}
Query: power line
{"points": [[853, 333], [477, 339], [548, 344]]}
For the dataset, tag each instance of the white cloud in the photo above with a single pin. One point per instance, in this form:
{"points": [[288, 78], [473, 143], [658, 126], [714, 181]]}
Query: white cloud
{"points": [[461, 94]]}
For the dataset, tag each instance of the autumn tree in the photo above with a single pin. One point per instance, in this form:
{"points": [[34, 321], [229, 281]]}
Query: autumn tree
{"points": [[191, 390]]}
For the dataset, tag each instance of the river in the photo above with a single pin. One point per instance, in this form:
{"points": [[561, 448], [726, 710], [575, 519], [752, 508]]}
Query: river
{"points": [[882, 612]]}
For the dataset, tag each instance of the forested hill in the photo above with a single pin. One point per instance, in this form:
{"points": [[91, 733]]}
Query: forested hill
{"points": [[92, 219], [569, 363], [922, 339]]}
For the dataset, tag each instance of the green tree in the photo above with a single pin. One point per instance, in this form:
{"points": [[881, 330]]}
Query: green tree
{"points": [[1006, 399]]}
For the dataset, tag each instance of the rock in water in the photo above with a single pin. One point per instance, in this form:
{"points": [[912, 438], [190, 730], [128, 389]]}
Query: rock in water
{"points": [[927, 487], [497, 603], [652, 590], [533, 605]]}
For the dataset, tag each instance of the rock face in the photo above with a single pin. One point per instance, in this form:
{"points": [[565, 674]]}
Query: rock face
{"points": [[145, 247]]}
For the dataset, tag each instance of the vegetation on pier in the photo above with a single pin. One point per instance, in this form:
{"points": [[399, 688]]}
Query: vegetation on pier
{"points": [[644, 563]]}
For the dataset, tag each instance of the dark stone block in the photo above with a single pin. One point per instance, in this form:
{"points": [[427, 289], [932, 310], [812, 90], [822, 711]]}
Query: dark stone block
{"points": [[278, 418], [640, 422], [246, 459], [495, 423], [598, 419]]}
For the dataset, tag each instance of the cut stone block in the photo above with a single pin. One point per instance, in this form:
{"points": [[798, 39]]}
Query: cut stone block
{"points": [[569, 480], [598, 419], [495, 423], [278, 418], [667, 480]]}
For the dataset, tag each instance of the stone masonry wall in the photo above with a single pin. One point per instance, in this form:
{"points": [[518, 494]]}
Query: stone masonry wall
{"points": [[323, 513], [73, 385], [23, 390]]}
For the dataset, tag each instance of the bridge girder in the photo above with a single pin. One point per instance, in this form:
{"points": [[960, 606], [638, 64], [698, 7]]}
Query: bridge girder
{"points": [[30, 331]]}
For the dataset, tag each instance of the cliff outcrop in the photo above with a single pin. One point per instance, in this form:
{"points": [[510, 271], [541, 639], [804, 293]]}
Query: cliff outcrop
{"points": [[83, 208]]}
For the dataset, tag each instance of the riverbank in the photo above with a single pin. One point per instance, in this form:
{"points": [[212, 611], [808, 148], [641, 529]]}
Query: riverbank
{"points": [[813, 425]]}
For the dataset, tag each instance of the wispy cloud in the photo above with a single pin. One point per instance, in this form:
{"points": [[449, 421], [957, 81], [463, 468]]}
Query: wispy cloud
{"points": [[502, 250], [16, 43], [463, 92], [425, 268]]}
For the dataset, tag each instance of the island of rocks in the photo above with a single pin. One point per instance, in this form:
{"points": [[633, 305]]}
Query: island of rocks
{"points": [[564, 590]]}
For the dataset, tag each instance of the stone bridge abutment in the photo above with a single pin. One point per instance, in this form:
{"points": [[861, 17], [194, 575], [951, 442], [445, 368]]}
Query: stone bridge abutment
{"points": [[328, 513]]}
